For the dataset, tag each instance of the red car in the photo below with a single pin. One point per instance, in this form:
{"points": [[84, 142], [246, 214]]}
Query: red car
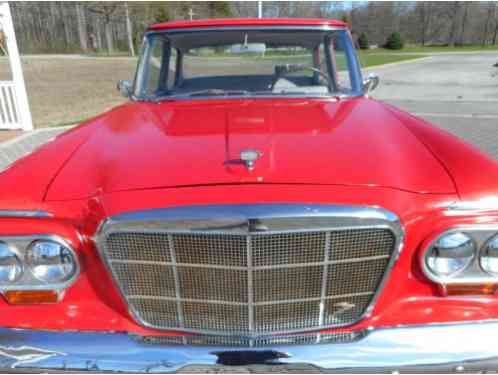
{"points": [[250, 205]]}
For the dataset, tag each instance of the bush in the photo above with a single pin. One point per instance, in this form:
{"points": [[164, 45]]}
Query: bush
{"points": [[394, 41], [363, 41]]}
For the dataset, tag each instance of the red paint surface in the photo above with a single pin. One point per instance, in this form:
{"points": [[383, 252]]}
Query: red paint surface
{"points": [[347, 142], [143, 155], [226, 22]]}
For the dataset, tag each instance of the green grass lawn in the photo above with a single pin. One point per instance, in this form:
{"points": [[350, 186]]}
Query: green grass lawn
{"points": [[366, 59], [369, 59], [430, 49]]}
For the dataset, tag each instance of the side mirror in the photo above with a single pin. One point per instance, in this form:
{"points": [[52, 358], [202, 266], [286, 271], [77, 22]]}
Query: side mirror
{"points": [[370, 83], [124, 88]]}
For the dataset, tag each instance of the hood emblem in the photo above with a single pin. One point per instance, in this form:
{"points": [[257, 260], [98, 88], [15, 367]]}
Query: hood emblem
{"points": [[249, 157]]}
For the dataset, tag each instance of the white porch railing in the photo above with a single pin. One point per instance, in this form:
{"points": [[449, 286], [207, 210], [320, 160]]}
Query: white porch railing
{"points": [[9, 110], [14, 106]]}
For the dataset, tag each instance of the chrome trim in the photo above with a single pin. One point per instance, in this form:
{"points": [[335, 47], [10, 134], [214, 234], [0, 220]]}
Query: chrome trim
{"points": [[28, 281], [473, 274], [216, 218], [354, 67], [485, 204], [24, 213], [244, 28], [482, 252], [448, 345]]}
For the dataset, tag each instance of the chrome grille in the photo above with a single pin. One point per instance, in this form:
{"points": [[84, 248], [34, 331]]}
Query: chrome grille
{"points": [[227, 280], [237, 341]]}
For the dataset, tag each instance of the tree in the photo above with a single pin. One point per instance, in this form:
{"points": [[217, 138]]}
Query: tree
{"points": [[464, 22], [345, 19], [129, 31], [363, 41], [3, 42], [106, 11], [59, 27], [495, 32], [162, 15], [219, 9], [82, 26], [453, 17], [489, 14], [394, 41], [425, 16]]}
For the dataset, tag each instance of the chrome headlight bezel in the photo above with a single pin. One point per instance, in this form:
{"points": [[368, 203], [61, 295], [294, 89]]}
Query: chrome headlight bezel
{"points": [[482, 255], [473, 272], [12, 253], [468, 245], [28, 280], [60, 272]]}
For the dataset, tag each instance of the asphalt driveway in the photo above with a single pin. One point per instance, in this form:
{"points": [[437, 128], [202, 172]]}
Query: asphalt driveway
{"points": [[458, 92]]}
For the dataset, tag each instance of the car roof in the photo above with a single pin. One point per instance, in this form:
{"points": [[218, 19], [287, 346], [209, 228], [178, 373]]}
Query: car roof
{"points": [[224, 22]]}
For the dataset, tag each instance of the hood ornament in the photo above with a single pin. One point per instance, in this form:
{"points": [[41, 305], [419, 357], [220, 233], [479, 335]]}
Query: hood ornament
{"points": [[249, 157]]}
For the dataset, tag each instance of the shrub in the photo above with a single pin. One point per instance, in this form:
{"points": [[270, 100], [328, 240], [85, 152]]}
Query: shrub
{"points": [[363, 41], [394, 41]]}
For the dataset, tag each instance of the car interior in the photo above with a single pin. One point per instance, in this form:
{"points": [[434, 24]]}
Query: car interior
{"points": [[193, 64]]}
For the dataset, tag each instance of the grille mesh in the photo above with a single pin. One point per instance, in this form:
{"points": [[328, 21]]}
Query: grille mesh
{"points": [[272, 249], [225, 250], [260, 283], [287, 283]]}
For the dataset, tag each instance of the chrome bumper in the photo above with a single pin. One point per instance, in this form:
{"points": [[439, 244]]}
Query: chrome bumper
{"points": [[456, 347]]}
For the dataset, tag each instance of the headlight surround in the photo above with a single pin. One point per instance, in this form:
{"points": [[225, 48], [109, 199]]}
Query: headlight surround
{"points": [[489, 257], [10, 265], [51, 262], [450, 254]]}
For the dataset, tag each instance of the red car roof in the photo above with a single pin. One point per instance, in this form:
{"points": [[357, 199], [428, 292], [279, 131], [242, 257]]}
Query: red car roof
{"points": [[247, 22]]}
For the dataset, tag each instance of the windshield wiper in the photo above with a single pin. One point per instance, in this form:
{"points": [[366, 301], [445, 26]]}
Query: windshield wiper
{"points": [[207, 92], [217, 92]]}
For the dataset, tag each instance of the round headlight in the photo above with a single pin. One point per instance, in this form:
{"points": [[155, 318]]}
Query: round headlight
{"points": [[450, 254], [489, 257], [10, 265], [50, 261]]}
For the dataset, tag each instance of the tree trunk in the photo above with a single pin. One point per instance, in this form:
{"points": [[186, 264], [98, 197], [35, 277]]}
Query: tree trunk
{"points": [[98, 34], [464, 23], [454, 23], [66, 26], [82, 30], [108, 36], [426, 20], [486, 25], [495, 34], [129, 30]]}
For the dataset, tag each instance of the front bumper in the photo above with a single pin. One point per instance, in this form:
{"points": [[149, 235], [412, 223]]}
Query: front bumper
{"points": [[453, 347]]}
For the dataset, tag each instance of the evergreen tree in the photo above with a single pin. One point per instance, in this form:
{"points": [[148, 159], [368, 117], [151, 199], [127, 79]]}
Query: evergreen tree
{"points": [[363, 41], [394, 41]]}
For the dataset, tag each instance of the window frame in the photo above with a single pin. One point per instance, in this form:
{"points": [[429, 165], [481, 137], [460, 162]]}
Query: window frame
{"points": [[354, 69]]}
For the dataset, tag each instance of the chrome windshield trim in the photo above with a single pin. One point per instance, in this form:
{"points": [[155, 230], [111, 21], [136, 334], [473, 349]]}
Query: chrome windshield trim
{"points": [[353, 66], [245, 28], [216, 218], [471, 344], [332, 97], [24, 213]]}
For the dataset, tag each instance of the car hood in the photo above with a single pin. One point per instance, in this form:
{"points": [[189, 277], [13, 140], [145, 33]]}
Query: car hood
{"points": [[354, 141]]}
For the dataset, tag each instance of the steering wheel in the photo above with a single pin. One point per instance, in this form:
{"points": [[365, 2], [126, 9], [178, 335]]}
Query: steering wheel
{"points": [[282, 70]]}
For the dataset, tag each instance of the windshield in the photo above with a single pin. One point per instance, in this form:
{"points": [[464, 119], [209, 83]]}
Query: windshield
{"points": [[248, 62]]}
